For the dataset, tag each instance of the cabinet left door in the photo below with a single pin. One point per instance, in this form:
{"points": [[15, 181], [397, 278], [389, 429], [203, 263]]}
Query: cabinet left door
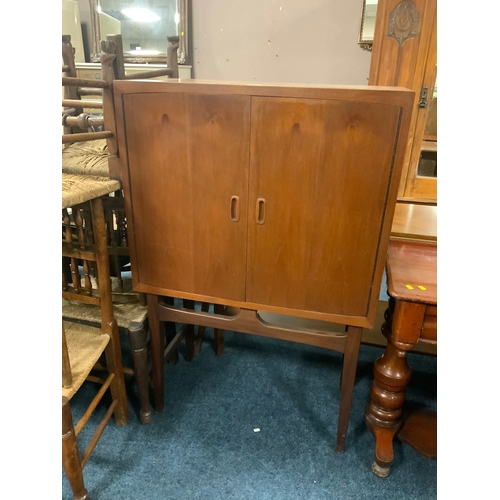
{"points": [[188, 161]]}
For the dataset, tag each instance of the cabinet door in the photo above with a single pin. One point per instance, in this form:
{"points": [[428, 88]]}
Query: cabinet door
{"points": [[188, 158], [319, 176]]}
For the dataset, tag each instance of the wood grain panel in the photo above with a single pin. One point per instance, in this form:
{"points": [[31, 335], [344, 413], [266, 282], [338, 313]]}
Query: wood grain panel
{"points": [[323, 168], [187, 158]]}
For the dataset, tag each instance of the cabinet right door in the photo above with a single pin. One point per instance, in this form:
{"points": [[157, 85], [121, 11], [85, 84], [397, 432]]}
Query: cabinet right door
{"points": [[319, 176]]}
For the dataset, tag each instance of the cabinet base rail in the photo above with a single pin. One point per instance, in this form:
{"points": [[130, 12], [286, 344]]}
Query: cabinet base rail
{"points": [[249, 321]]}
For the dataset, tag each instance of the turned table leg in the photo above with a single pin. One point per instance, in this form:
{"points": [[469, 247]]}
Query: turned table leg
{"points": [[383, 414]]}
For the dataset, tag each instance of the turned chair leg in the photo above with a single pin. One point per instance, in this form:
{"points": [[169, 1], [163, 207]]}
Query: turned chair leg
{"points": [[70, 455], [139, 346]]}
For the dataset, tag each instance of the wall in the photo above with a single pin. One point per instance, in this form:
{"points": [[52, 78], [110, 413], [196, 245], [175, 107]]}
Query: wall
{"points": [[297, 41]]}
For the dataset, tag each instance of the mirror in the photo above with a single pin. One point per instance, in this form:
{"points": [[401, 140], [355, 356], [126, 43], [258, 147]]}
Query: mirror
{"points": [[367, 28], [144, 26]]}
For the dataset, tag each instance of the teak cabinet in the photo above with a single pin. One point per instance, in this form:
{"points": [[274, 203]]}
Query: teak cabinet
{"points": [[405, 54], [266, 197]]}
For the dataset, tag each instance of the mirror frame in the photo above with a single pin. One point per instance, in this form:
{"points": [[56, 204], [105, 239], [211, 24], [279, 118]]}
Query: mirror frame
{"points": [[364, 43], [95, 50]]}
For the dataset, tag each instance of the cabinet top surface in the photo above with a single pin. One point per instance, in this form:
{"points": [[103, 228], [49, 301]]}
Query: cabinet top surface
{"points": [[390, 95]]}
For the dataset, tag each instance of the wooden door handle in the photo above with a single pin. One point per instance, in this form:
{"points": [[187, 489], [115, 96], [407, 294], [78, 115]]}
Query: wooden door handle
{"points": [[260, 211], [235, 208]]}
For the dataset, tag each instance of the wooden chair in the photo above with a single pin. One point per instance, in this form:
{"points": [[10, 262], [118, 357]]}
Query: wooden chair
{"points": [[82, 346], [90, 156], [130, 315], [97, 155]]}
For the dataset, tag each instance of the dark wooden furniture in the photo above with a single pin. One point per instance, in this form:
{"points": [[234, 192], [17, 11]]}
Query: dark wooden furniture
{"points": [[82, 346], [411, 318], [266, 198], [405, 54]]}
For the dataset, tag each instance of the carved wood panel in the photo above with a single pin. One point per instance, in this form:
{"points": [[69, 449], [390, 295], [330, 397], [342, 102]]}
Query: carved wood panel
{"points": [[403, 21]]}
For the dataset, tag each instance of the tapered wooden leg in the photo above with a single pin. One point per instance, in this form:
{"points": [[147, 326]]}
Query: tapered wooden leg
{"points": [[168, 332], [348, 376], [343, 357], [139, 344], [157, 343], [70, 455]]}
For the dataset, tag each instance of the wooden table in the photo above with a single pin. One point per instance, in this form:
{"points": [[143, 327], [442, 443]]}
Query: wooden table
{"points": [[410, 318], [411, 222]]}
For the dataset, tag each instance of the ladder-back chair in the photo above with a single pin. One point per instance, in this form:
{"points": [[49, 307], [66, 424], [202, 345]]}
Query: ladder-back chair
{"points": [[95, 153], [82, 345]]}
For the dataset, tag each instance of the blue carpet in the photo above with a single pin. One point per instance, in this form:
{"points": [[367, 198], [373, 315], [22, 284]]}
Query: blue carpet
{"points": [[204, 444]]}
